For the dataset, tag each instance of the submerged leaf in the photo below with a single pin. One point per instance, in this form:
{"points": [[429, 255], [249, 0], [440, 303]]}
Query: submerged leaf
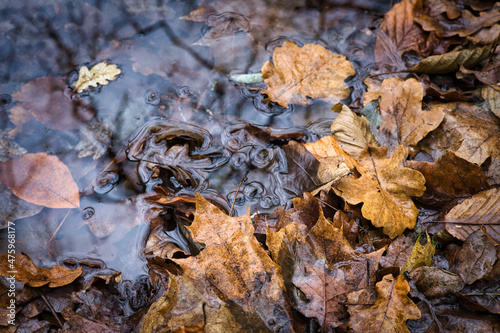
{"points": [[41, 179], [308, 71], [101, 74], [28, 273]]}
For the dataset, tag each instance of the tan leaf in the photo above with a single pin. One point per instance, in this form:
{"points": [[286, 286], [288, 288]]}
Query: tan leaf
{"points": [[28, 273], [352, 132], [420, 255], [480, 212], [435, 282], [235, 266], [308, 71], [391, 310], [450, 62], [398, 252], [101, 74], [404, 122], [491, 95], [384, 187], [41, 179]]}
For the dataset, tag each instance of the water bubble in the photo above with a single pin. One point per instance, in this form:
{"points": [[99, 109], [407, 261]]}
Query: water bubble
{"points": [[88, 213], [261, 157], [152, 97], [105, 182], [184, 92]]}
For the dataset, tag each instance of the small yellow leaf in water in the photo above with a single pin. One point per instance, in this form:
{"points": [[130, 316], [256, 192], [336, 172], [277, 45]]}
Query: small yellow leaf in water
{"points": [[101, 73]]}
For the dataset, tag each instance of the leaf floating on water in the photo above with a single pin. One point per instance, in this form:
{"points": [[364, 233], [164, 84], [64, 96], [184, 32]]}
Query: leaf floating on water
{"points": [[308, 71], [29, 273], [101, 74], [41, 179], [391, 310]]}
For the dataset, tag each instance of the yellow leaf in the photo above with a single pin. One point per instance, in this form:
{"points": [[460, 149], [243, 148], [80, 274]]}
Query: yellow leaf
{"points": [[308, 71], [420, 256], [101, 73]]}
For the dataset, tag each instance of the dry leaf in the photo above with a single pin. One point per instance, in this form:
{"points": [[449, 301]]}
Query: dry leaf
{"points": [[391, 310], [101, 74], [235, 267], [28, 273], [420, 256], [41, 179], [450, 62], [352, 132], [53, 104], [404, 122], [384, 187], [480, 212], [491, 95], [308, 71]]}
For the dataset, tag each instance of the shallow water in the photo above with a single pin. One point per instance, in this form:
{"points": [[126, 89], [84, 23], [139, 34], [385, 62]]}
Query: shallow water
{"points": [[172, 118]]}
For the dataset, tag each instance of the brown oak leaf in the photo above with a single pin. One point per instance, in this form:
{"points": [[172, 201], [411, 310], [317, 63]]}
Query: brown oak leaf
{"points": [[308, 71]]}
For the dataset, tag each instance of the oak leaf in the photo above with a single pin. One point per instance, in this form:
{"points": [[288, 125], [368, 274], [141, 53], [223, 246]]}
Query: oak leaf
{"points": [[101, 74], [480, 212], [41, 179], [391, 310], [404, 122], [28, 273], [420, 255], [235, 266], [308, 71], [385, 189]]}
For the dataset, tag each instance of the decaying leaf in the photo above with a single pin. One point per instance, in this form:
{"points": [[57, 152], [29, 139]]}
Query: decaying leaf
{"points": [[391, 310], [235, 267], [41, 179], [308, 71], [101, 74], [404, 122], [385, 189], [28, 273], [480, 212], [352, 132], [420, 255], [491, 95], [53, 104], [398, 252], [435, 282]]}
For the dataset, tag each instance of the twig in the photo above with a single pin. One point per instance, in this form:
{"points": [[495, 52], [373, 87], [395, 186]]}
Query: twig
{"points": [[50, 307], [237, 190]]}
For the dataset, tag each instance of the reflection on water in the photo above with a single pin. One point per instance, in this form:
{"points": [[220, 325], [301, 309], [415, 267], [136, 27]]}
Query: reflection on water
{"points": [[172, 119]]}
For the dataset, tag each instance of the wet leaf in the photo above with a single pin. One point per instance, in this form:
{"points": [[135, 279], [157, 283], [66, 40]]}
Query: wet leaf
{"points": [[28, 273], [308, 71], [480, 212], [95, 139], [391, 310], [75, 322], [41, 179], [235, 267], [449, 178], [325, 290], [14, 208], [352, 132], [404, 122], [385, 189], [491, 95], [420, 255], [101, 74], [53, 104], [475, 258], [435, 282], [450, 62], [398, 252]]}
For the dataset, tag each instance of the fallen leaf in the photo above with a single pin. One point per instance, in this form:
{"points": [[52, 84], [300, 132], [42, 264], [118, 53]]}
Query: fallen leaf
{"points": [[14, 208], [9, 148], [391, 310], [404, 122], [75, 322], [450, 62], [491, 95], [475, 258], [308, 71], [449, 178], [435, 282], [449, 7], [325, 290], [352, 132], [480, 212], [41, 179], [420, 255], [101, 74], [28, 273], [53, 104], [95, 139], [235, 266], [398, 252], [384, 187]]}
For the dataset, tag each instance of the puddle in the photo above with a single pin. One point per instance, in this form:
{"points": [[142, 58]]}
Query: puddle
{"points": [[171, 122]]}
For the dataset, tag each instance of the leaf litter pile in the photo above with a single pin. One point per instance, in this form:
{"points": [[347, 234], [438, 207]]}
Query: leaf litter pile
{"points": [[306, 167]]}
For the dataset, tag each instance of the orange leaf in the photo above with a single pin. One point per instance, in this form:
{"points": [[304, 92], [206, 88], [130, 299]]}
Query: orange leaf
{"points": [[385, 188], [28, 273], [391, 310], [41, 179], [310, 71]]}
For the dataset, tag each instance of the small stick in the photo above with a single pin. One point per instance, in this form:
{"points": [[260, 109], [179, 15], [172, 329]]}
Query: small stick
{"points": [[50, 307], [245, 178]]}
